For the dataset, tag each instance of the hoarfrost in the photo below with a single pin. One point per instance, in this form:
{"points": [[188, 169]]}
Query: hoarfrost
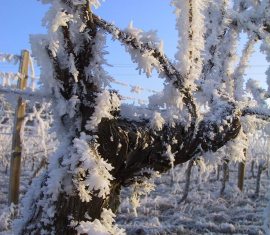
{"points": [[104, 226], [157, 121], [106, 102]]}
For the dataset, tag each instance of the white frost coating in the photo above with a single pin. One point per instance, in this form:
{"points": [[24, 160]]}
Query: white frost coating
{"points": [[170, 155], [95, 3], [99, 178], [265, 48], [50, 191], [33, 76], [79, 2], [182, 25], [238, 75], [92, 228], [135, 32], [9, 77], [105, 103], [72, 106], [149, 37], [170, 100], [95, 71], [258, 93], [39, 125], [157, 121], [161, 47], [230, 56], [54, 47], [6, 217], [191, 29], [61, 19], [233, 150], [105, 226], [39, 43], [169, 97], [135, 89], [146, 61], [9, 58], [217, 21], [236, 147], [143, 188], [72, 68]]}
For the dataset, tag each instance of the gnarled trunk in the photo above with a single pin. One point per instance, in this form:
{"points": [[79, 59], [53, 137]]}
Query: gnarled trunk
{"points": [[128, 146], [77, 210]]}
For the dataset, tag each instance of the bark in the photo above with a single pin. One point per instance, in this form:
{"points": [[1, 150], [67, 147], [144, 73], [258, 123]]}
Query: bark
{"points": [[187, 184], [241, 175], [72, 205], [261, 168], [226, 174], [70, 208], [252, 169], [218, 171]]}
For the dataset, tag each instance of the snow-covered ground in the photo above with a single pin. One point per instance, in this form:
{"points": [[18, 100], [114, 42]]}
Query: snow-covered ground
{"points": [[204, 211]]}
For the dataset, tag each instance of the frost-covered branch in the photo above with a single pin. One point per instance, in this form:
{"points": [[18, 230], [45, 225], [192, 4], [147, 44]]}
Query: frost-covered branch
{"points": [[260, 113], [170, 72], [9, 77], [259, 94], [239, 72], [191, 30], [9, 58], [253, 18], [217, 26], [26, 94]]}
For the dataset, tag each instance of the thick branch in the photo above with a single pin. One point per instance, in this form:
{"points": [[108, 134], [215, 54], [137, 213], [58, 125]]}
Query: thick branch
{"points": [[133, 146], [260, 113]]}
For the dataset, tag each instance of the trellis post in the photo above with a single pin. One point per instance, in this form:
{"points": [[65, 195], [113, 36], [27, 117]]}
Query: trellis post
{"points": [[241, 174], [15, 164]]}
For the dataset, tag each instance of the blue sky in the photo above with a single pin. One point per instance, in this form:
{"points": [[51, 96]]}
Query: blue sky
{"points": [[19, 18]]}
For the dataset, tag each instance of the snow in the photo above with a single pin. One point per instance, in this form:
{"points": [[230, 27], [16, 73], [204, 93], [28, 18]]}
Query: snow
{"points": [[106, 102], [145, 61], [157, 121], [90, 161], [103, 227], [72, 67], [204, 212], [61, 19], [9, 58], [191, 30]]}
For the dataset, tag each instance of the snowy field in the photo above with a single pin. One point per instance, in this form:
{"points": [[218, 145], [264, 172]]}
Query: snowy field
{"points": [[204, 212]]}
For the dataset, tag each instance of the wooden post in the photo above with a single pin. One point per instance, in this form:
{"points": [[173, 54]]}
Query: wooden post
{"points": [[241, 175], [15, 164], [226, 175]]}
